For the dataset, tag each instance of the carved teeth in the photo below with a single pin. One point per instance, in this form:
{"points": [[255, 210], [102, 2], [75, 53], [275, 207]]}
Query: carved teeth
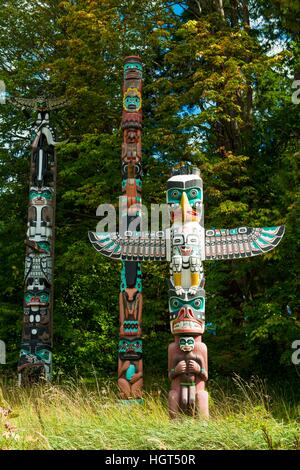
{"points": [[187, 325]]}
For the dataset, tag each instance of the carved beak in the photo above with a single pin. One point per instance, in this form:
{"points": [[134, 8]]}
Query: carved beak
{"points": [[186, 209]]}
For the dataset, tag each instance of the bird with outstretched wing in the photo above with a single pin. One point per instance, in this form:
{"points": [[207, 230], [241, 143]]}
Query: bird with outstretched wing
{"points": [[220, 244]]}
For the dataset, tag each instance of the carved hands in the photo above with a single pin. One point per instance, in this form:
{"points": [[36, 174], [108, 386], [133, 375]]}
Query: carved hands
{"points": [[180, 368], [135, 377]]}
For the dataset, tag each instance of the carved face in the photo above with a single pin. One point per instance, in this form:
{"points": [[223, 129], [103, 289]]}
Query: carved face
{"points": [[41, 355], [185, 244], [185, 197], [132, 101], [130, 349], [40, 196], [187, 313], [131, 300], [44, 354], [187, 343], [36, 298], [191, 185], [134, 69]]}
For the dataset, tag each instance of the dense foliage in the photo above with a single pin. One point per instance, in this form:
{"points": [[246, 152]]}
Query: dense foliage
{"points": [[217, 93]]}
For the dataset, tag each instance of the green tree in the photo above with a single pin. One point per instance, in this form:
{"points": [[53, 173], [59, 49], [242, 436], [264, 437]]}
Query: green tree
{"points": [[217, 93]]}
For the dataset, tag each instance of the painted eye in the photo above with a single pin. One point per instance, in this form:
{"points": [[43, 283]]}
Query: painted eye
{"points": [[190, 341], [192, 240], [194, 193], [175, 194], [197, 303], [178, 240], [175, 303]]}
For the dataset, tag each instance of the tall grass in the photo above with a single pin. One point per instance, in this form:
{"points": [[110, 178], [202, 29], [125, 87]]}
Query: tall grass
{"points": [[78, 416]]}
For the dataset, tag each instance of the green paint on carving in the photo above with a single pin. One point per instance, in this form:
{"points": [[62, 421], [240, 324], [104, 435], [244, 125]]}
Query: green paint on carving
{"points": [[44, 246], [268, 235], [130, 372], [133, 65], [262, 241], [109, 244], [45, 194], [255, 245], [103, 239]]}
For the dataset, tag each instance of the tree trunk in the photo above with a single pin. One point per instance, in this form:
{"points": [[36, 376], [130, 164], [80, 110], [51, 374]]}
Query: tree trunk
{"points": [[234, 13], [246, 19], [220, 8]]}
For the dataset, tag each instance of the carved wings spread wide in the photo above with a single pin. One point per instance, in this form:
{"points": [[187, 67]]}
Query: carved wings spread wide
{"points": [[220, 244], [241, 242], [141, 246], [40, 102]]}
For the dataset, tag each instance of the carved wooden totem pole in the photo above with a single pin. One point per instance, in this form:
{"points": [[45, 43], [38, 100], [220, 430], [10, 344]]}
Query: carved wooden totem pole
{"points": [[185, 245], [36, 357], [130, 364], [187, 357]]}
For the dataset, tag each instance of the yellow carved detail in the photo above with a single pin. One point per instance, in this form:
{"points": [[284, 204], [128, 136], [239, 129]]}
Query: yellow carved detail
{"points": [[195, 279], [177, 279]]}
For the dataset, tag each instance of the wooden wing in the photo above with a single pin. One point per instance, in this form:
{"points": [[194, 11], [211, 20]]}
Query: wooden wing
{"points": [[141, 246], [241, 242]]}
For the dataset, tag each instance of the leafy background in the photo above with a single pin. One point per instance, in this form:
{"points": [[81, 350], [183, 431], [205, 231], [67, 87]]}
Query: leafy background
{"points": [[218, 93]]}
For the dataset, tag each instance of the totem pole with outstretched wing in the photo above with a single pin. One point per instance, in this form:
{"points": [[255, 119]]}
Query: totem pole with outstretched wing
{"points": [[185, 245]]}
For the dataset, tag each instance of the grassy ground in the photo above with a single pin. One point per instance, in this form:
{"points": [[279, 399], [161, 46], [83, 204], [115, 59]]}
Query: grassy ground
{"points": [[74, 416]]}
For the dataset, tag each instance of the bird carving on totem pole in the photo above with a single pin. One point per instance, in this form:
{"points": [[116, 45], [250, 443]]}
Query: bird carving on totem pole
{"points": [[35, 361], [186, 245]]}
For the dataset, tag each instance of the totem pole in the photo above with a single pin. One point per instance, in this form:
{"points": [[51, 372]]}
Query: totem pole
{"points": [[185, 245], [36, 358], [130, 363], [187, 357]]}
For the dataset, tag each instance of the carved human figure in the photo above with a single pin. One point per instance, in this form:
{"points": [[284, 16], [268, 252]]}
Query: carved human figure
{"points": [[131, 305], [130, 368], [188, 373]]}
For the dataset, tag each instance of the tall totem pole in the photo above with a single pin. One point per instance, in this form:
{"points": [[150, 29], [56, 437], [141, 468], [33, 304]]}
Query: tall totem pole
{"points": [[187, 356], [186, 244], [36, 357], [130, 363]]}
